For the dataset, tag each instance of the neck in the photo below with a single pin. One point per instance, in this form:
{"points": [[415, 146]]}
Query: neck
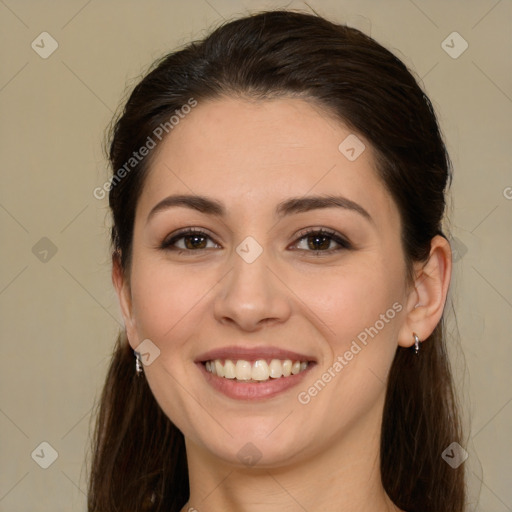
{"points": [[344, 477]]}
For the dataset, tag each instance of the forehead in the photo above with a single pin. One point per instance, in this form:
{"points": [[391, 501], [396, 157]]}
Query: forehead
{"points": [[253, 154]]}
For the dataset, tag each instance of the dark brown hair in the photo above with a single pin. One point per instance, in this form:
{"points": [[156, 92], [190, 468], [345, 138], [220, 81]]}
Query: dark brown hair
{"points": [[139, 461]]}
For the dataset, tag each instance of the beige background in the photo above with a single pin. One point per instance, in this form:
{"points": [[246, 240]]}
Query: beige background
{"points": [[59, 315]]}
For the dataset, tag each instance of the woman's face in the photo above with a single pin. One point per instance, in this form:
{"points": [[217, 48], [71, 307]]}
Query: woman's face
{"points": [[274, 276]]}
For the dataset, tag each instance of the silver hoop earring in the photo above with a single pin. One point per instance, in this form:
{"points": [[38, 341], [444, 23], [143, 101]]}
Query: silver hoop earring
{"points": [[416, 343], [138, 364]]}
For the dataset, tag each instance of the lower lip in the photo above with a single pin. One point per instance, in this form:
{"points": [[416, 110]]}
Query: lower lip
{"points": [[240, 390]]}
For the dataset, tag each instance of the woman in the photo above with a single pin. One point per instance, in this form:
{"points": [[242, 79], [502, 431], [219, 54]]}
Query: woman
{"points": [[277, 200]]}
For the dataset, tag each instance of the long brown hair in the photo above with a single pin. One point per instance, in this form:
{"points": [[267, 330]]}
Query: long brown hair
{"points": [[139, 461]]}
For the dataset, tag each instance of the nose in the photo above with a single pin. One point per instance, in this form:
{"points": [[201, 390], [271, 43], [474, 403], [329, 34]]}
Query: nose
{"points": [[251, 296]]}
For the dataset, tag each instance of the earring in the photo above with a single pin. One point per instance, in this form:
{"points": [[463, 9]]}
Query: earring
{"points": [[138, 365], [416, 343]]}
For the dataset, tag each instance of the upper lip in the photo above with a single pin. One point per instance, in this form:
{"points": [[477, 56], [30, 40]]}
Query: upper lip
{"points": [[252, 354]]}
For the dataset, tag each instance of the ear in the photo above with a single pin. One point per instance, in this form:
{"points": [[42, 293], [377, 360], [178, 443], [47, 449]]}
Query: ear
{"points": [[426, 300], [122, 287]]}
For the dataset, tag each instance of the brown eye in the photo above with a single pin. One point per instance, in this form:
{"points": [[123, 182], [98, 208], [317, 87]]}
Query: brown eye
{"points": [[195, 241], [189, 240], [321, 241]]}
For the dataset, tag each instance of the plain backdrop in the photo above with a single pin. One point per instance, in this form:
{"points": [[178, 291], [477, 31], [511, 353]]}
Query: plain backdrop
{"points": [[59, 314]]}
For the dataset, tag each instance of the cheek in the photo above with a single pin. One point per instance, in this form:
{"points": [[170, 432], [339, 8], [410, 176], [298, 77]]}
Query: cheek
{"points": [[351, 298], [166, 301]]}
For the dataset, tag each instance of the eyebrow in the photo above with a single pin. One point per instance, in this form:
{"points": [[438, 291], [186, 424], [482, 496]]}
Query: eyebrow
{"points": [[290, 206]]}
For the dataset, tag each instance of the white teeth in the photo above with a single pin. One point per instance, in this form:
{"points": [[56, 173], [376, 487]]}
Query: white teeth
{"points": [[219, 369], [259, 370], [229, 369], [243, 370], [275, 368]]}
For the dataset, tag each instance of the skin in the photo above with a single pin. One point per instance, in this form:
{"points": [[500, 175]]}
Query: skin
{"points": [[250, 156]]}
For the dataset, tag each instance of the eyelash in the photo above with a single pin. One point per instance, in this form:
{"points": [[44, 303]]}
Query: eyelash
{"points": [[168, 244]]}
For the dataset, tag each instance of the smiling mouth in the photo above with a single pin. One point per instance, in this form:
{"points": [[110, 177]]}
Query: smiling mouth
{"points": [[260, 370]]}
